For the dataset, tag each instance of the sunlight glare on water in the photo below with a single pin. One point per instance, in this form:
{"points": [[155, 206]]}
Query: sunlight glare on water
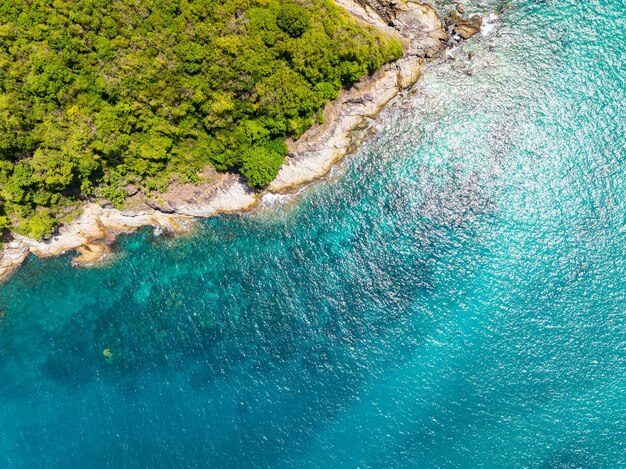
{"points": [[453, 295]]}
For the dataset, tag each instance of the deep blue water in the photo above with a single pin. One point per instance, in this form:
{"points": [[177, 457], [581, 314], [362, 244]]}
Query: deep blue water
{"points": [[453, 296]]}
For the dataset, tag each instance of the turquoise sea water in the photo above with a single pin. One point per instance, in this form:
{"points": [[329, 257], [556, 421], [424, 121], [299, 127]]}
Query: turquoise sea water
{"points": [[454, 295]]}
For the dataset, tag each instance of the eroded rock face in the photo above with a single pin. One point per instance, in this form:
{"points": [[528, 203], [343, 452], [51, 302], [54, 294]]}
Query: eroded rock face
{"points": [[11, 257], [384, 8], [417, 25], [421, 22], [314, 153], [466, 28], [409, 72]]}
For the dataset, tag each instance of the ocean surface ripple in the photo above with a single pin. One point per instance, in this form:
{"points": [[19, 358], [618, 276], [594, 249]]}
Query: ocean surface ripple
{"points": [[453, 296]]}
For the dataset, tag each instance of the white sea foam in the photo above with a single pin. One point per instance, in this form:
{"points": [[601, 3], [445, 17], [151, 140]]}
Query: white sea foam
{"points": [[489, 24], [275, 199]]}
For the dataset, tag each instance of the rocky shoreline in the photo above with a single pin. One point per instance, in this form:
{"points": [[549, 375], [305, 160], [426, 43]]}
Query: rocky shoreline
{"points": [[424, 35]]}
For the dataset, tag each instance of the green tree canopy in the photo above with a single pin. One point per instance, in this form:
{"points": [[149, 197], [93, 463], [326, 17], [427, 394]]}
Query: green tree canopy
{"points": [[293, 19], [100, 95]]}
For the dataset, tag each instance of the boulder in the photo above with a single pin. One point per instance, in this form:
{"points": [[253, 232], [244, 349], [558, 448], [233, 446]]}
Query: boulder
{"points": [[160, 205], [409, 71], [453, 17], [466, 28], [421, 23]]}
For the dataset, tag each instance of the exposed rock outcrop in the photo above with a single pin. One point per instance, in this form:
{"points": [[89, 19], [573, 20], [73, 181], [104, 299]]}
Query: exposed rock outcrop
{"points": [[385, 9], [416, 24], [11, 257], [318, 149], [92, 233], [461, 27], [466, 28], [315, 152], [421, 23], [423, 34]]}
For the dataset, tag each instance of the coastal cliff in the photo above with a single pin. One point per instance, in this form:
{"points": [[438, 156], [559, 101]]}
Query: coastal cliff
{"points": [[424, 35]]}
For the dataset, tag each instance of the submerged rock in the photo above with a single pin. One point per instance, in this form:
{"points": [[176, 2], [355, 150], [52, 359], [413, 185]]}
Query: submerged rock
{"points": [[91, 254]]}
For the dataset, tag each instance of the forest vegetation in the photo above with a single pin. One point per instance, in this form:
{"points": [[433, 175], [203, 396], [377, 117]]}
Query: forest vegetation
{"points": [[99, 96]]}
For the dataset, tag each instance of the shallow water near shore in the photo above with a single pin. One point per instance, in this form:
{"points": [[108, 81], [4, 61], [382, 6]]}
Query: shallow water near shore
{"points": [[453, 296]]}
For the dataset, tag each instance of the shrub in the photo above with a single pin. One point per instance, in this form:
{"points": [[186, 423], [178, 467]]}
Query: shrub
{"points": [[40, 225], [293, 19], [260, 164]]}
